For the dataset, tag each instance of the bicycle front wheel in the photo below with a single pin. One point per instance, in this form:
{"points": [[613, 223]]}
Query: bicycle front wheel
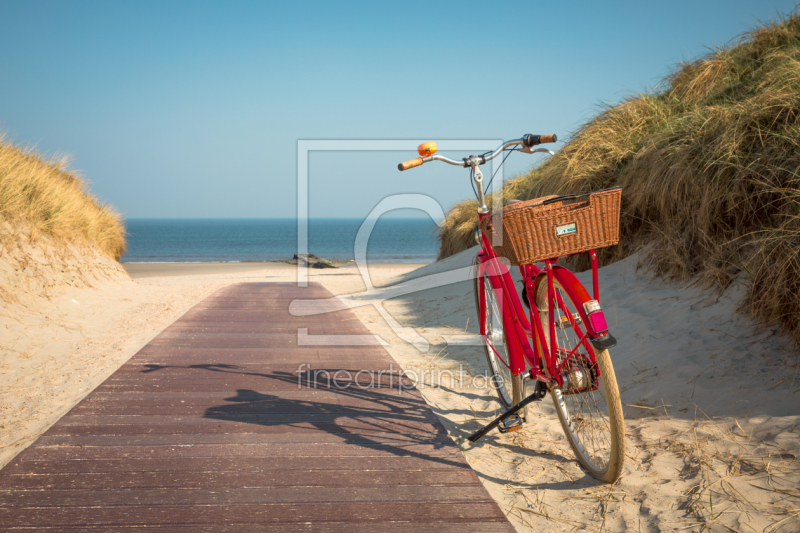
{"points": [[510, 389], [591, 419]]}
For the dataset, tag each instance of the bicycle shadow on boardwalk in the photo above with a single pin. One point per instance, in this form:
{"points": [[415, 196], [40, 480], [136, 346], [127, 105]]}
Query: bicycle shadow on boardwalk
{"points": [[386, 414], [545, 454]]}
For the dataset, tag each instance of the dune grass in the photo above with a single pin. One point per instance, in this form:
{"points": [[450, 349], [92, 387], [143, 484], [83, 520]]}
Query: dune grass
{"points": [[40, 197], [709, 162]]}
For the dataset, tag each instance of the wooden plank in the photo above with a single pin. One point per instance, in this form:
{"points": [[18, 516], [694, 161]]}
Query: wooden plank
{"points": [[221, 417], [223, 385], [345, 369], [220, 479], [209, 428], [328, 527], [300, 493], [189, 427], [228, 464], [262, 513], [332, 450], [295, 393], [440, 439], [370, 353], [197, 406]]}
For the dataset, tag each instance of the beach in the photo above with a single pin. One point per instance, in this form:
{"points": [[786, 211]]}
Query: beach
{"points": [[172, 180], [710, 401]]}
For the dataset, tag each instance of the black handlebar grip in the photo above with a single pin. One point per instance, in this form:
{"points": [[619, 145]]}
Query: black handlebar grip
{"points": [[530, 140]]}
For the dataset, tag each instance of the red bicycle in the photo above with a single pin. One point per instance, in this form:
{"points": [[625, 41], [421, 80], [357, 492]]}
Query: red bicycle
{"points": [[561, 346]]}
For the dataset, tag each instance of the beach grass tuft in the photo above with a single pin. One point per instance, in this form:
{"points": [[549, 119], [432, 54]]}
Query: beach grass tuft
{"points": [[709, 162], [40, 197]]}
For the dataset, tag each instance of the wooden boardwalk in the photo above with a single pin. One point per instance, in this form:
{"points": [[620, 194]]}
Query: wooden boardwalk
{"points": [[210, 427]]}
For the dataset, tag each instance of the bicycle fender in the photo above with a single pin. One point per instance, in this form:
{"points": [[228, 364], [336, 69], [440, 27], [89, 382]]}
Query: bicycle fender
{"points": [[595, 321]]}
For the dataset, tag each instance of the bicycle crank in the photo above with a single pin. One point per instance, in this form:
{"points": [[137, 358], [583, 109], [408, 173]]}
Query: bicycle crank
{"points": [[510, 420]]}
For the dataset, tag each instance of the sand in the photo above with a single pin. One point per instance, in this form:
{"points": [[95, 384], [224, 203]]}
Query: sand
{"points": [[711, 403]]}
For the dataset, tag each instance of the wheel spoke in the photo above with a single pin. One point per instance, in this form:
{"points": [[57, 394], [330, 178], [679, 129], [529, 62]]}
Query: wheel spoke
{"points": [[495, 344]]}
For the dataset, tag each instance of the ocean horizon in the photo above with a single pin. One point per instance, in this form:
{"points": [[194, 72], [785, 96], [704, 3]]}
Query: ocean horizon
{"points": [[197, 240]]}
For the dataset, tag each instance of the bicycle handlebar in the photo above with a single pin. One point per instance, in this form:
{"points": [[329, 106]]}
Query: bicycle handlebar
{"points": [[410, 164], [528, 141]]}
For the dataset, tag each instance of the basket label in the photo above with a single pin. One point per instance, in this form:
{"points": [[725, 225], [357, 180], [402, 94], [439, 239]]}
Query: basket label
{"points": [[566, 229]]}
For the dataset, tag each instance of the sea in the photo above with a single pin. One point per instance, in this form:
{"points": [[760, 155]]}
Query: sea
{"points": [[411, 240]]}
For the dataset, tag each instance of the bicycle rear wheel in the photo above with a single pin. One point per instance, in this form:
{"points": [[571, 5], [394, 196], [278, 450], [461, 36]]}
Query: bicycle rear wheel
{"points": [[510, 389], [591, 419]]}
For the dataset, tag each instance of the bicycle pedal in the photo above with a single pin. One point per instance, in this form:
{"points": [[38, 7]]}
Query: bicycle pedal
{"points": [[512, 423]]}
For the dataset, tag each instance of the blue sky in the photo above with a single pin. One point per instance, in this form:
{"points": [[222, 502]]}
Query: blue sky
{"points": [[194, 109]]}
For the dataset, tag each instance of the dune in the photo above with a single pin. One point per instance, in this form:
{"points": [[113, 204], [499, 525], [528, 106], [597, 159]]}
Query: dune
{"points": [[708, 162]]}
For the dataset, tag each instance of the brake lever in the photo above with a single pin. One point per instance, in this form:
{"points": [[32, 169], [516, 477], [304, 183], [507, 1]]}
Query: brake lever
{"points": [[530, 150]]}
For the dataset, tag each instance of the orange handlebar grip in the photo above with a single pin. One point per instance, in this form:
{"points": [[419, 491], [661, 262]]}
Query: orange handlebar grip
{"points": [[410, 164], [548, 138]]}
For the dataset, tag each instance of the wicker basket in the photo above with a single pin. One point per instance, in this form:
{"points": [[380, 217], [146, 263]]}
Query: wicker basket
{"points": [[534, 232]]}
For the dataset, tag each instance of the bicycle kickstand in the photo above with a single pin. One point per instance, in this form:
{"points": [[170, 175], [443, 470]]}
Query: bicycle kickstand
{"points": [[510, 420]]}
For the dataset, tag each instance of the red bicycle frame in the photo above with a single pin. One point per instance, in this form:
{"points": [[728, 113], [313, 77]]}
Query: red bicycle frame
{"points": [[519, 328]]}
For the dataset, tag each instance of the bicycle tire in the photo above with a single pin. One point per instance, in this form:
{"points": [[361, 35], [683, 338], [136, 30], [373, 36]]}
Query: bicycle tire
{"points": [[592, 420], [500, 376]]}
